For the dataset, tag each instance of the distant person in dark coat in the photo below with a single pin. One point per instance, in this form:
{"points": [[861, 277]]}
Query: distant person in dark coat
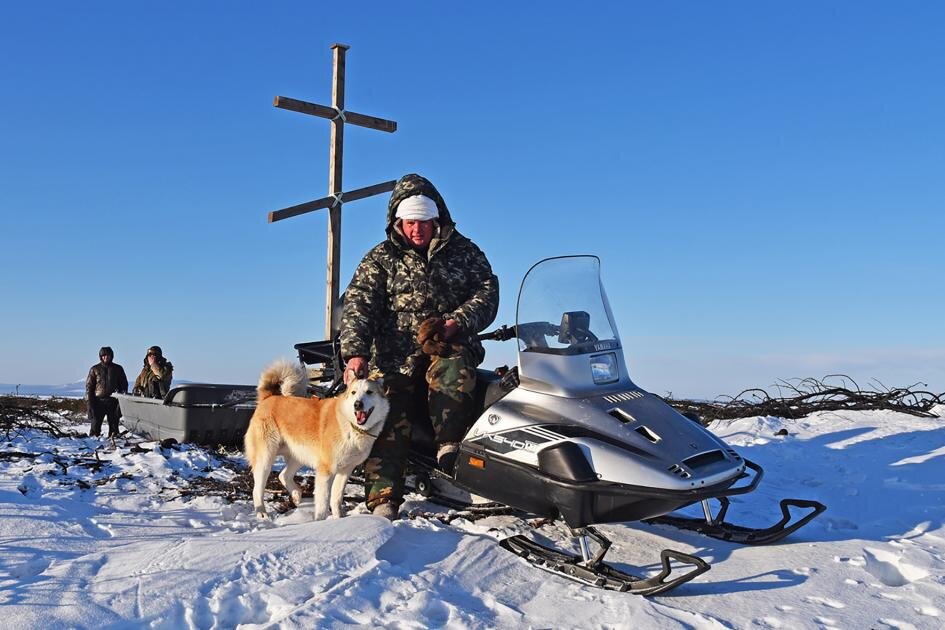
{"points": [[105, 378], [154, 381]]}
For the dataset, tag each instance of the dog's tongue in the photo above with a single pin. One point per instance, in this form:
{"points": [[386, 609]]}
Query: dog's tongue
{"points": [[360, 416]]}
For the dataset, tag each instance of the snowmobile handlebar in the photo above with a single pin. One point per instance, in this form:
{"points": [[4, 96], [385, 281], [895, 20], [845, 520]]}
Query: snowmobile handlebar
{"points": [[502, 333], [528, 330]]}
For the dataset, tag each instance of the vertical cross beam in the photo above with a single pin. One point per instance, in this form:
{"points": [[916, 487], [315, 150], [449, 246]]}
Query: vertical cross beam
{"points": [[334, 187], [333, 202]]}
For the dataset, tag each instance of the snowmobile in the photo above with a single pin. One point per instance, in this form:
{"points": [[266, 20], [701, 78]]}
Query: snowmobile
{"points": [[567, 435]]}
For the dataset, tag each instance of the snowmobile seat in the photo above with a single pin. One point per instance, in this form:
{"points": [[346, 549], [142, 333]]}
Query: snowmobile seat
{"points": [[326, 353], [319, 352], [493, 385], [325, 381]]}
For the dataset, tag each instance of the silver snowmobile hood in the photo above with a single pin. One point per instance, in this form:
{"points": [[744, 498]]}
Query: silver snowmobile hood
{"points": [[639, 442]]}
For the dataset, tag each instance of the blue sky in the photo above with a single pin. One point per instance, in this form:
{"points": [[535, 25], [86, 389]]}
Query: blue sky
{"points": [[764, 183]]}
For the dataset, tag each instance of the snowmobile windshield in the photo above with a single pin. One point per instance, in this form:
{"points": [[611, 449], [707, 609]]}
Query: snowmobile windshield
{"points": [[562, 308], [567, 340]]}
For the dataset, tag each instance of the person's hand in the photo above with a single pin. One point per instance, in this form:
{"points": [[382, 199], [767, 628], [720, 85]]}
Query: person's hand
{"points": [[356, 367], [450, 329], [432, 337]]}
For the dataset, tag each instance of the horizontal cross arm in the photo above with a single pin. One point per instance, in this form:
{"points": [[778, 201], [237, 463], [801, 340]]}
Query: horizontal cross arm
{"points": [[327, 202], [361, 120]]}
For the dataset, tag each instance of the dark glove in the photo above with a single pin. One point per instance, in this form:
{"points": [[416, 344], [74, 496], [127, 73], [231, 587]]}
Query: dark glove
{"points": [[432, 337]]}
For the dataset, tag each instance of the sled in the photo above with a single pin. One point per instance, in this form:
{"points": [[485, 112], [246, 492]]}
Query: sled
{"points": [[200, 413]]}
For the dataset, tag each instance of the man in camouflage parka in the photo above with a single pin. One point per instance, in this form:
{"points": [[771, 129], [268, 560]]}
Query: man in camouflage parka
{"points": [[425, 268]]}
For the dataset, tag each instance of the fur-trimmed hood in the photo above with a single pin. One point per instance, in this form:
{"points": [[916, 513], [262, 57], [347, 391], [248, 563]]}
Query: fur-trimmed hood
{"points": [[408, 186]]}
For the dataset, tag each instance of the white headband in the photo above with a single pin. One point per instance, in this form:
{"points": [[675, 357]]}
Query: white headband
{"points": [[417, 208]]}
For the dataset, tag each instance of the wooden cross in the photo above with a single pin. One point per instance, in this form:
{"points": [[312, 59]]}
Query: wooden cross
{"points": [[338, 117]]}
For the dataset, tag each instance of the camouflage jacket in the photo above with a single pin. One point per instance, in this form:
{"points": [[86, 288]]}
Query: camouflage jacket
{"points": [[396, 287], [104, 380], [154, 379]]}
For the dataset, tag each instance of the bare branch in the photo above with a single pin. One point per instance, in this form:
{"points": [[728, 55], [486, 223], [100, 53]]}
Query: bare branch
{"points": [[806, 396]]}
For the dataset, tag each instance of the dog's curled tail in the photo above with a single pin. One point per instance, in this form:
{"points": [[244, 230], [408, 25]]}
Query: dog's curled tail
{"points": [[282, 378]]}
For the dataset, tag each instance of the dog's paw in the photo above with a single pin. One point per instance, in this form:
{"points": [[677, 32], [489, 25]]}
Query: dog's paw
{"points": [[321, 516], [296, 497], [262, 514]]}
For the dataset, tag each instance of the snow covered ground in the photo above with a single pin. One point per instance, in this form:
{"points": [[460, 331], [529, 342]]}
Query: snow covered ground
{"points": [[118, 546]]}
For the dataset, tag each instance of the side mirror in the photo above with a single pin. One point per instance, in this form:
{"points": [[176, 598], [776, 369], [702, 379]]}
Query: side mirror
{"points": [[575, 327]]}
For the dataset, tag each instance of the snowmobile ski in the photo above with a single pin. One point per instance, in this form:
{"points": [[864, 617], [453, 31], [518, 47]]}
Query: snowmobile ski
{"points": [[716, 527], [473, 513], [593, 572]]}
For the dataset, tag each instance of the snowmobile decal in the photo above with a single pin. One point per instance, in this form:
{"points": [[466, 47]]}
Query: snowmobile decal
{"points": [[529, 439], [510, 443], [623, 396], [545, 432]]}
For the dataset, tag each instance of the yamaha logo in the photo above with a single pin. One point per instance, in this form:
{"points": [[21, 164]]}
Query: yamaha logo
{"points": [[493, 418]]}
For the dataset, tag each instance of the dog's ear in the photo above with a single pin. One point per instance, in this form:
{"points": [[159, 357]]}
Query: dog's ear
{"points": [[374, 376], [354, 375], [382, 383]]}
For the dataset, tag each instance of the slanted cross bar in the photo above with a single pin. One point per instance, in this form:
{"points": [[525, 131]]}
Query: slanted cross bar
{"points": [[338, 117]]}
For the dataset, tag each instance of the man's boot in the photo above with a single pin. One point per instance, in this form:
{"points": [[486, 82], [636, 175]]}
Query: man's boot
{"points": [[446, 456], [387, 510]]}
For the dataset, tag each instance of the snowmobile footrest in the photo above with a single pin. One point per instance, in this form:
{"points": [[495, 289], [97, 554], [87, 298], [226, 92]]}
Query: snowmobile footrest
{"points": [[745, 535], [600, 574]]}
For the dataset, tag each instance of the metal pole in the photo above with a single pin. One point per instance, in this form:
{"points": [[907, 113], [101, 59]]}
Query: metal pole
{"points": [[585, 549], [707, 510]]}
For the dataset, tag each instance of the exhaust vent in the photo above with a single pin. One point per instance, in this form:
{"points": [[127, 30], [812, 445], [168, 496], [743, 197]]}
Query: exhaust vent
{"points": [[648, 434], [734, 455], [678, 470], [704, 459], [623, 396], [621, 415]]}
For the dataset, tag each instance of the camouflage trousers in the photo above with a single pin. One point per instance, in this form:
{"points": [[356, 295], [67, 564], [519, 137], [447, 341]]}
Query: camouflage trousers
{"points": [[441, 394]]}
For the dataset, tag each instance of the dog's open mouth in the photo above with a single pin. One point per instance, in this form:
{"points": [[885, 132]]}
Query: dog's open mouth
{"points": [[362, 416]]}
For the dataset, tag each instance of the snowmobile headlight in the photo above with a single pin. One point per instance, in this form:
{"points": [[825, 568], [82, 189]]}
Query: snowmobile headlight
{"points": [[604, 368]]}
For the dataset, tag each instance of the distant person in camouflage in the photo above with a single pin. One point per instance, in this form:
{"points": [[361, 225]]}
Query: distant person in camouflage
{"points": [[105, 378], [154, 381], [425, 271]]}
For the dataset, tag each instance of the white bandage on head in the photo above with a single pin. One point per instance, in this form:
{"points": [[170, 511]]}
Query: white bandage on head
{"points": [[417, 208]]}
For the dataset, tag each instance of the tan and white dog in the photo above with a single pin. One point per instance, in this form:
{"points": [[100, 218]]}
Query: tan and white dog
{"points": [[332, 435]]}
